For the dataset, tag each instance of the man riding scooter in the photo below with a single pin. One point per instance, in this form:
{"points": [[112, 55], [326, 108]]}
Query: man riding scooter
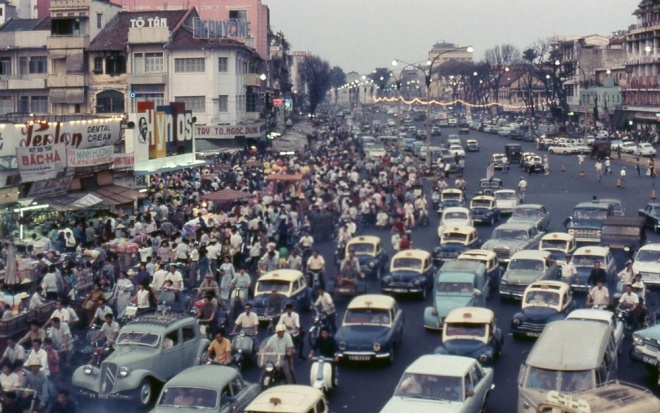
{"points": [[280, 345], [291, 320], [327, 348]]}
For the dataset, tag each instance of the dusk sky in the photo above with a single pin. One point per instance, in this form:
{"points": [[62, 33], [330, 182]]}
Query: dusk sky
{"points": [[360, 35]]}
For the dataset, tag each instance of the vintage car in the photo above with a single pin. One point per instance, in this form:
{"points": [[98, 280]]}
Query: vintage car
{"points": [[446, 384], [646, 348], [455, 240], [369, 251], [411, 271], [212, 388], [651, 212], [454, 217], [472, 332], [490, 183], [584, 259], [587, 220], [601, 316], [150, 350], [496, 160], [646, 263], [562, 148], [542, 303], [525, 268], [372, 329], [611, 397], [624, 236], [451, 197], [292, 284], [534, 214], [513, 151], [457, 284], [290, 398], [484, 210], [471, 145], [507, 239], [489, 259], [533, 162], [506, 200], [618, 207], [558, 244]]}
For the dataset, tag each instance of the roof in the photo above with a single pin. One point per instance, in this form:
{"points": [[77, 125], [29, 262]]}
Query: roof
{"points": [[481, 255], [556, 348], [611, 397], [282, 274], [515, 225], [370, 239], [461, 266], [183, 39], [441, 364], [483, 198], [562, 236], [653, 247], [372, 301], [456, 209], [199, 376], [504, 191], [475, 315], [548, 285], [459, 229], [593, 205], [531, 255], [159, 320], [451, 191], [23, 25], [591, 314], [529, 206], [286, 398], [413, 253], [114, 36], [592, 250]]}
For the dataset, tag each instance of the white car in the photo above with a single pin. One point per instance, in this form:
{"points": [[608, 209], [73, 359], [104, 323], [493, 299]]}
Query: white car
{"points": [[391, 122], [453, 121], [457, 150], [562, 149], [580, 147], [601, 316], [628, 147], [647, 263], [644, 149], [455, 217], [506, 200]]}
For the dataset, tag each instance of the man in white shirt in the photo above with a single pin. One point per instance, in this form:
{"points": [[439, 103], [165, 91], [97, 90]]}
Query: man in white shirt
{"points": [[36, 300], [235, 240], [306, 241], [291, 320], [626, 275], [182, 250], [599, 296], [12, 353], [247, 320], [568, 270], [159, 279], [60, 313], [176, 278], [39, 354], [327, 306], [110, 330]]}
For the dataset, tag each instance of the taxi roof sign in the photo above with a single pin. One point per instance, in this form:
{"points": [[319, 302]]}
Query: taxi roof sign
{"points": [[467, 315], [275, 400]]}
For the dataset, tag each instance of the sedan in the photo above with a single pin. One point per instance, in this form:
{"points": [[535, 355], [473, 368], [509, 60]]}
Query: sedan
{"points": [[534, 214], [644, 149], [628, 147], [457, 150], [562, 149]]}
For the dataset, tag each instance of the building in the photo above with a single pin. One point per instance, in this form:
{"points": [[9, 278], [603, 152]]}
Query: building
{"points": [[18, 9], [443, 52]]}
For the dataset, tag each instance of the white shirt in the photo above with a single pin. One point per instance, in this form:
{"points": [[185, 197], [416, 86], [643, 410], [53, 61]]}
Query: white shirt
{"points": [[247, 321], [159, 279], [316, 263], [62, 314], [13, 354], [142, 299], [326, 303], [629, 299], [600, 297], [568, 270], [176, 278], [307, 241], [9, 381], [291, 322], [182, 251], [236, 240]]}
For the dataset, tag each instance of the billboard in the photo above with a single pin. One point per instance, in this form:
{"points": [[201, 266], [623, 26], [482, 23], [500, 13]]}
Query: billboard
{"points": [[90, 157], [167, 130], [40, 162], [50, 187]]}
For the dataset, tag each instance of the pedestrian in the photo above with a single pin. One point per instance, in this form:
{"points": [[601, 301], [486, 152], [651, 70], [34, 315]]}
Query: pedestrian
{"points": [[505, 164], [522, 188], [618, 151], [652, 167], [638, 168], [546, 165], [608, 167], [599, 169], [623, 176], [581, 162]]}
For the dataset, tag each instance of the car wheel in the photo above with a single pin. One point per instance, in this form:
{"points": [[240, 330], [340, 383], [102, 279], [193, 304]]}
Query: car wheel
{"points": [[390, 359], [145, 392], [483, 406]]}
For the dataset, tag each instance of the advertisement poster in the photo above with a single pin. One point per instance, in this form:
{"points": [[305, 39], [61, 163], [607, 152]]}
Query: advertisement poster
{"points": [[50, 187], [40, 162], [90, 157]]}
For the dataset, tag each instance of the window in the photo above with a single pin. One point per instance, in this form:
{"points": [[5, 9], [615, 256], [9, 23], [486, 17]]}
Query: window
{"points": [[99, 20], [171, 339], [98, 65], [115, 65], [39, 104], [252, 99], [223, 103], [65, 27], [158, 99], [194, 103], [6, 105], [110, 101], [138, 63], [236, 386], [148, 63], [238, 14], [192, 65], [188, 334], [23, 65], [5, 66], [24, 104], [38, 64], [223, 64]]}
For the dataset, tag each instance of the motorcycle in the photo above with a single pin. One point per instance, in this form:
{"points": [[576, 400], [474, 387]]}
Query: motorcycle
{"points": [[340, 253], [624, 316], [315, 281], [242, 348], [238, 298], [272, 373], [320, 320], [320, 375], [423, 219]]}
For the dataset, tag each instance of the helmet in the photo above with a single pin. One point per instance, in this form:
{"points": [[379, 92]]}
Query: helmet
{"points": [[280, 327]]}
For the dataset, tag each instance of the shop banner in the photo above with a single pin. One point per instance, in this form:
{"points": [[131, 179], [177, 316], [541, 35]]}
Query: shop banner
{"points": [[41, 162], [230, 131], [50, 187], [90, 157], [123, 160]]}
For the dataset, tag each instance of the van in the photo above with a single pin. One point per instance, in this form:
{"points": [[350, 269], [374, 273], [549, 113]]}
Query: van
{"points": [[570, 356], [389, 141]]}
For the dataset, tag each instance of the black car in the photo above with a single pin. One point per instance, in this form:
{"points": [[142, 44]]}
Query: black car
{"points": [[513, 152], [651, 213]]}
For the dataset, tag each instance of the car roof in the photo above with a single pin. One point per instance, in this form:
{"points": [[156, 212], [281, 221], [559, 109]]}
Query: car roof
{"points": [[441, 364], [475, 315], [484, 197], [591, 314], [413, 253], [457, 209], [477, 254], [531, 254], [463, 266], [460, 229], [530, 206], [593, 205], [515, 225], [159, 320], [504, 190], [286, 398], [199, 376], [548, 285], [592, 250], [364, 239], [451, 191], [282, 274], [562, 236], [380, 301]]}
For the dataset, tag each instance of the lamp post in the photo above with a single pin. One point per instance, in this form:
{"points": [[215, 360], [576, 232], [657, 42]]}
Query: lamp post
{"points": [[427, 77]]}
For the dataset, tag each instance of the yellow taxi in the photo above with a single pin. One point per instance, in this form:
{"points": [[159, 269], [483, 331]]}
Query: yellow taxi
{"points": [[369, 251], [453, 241], [411, 272], [542, 303], [472, 332], [489, 259], [289, 399], [559, 244], [292, 284]]}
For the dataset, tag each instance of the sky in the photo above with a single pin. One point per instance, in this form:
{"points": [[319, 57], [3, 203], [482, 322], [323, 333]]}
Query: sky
{"points": [[360, 35]]}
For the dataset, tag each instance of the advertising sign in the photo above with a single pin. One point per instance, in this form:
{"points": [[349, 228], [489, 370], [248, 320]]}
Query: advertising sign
{"points": [[90, 157], [167, 129], [50, 187], [41, 162], [123, 160], [209, 29], [229, 132]]}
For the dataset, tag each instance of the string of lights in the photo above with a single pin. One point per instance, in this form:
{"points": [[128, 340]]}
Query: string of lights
{"points": [[451, 103]]}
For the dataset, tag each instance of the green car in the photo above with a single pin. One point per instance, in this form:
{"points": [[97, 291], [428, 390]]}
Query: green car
{"points": [[212, 388]]}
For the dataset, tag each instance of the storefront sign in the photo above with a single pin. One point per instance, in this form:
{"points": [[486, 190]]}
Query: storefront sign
{"points": [[229, 132], [149, 22], [50, 187], [168, 130], [123, 160], [90, 157], [42, 162], [208, 29]]}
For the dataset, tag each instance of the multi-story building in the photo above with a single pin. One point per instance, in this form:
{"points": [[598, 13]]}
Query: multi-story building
{"points": [[440, 53], [21, 9]]}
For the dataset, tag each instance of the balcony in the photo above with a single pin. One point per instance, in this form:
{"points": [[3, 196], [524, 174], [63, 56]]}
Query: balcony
{"points": [[69, 4], [252, 79], [67, 42], [146, 78], [67, 80], [23, 83]]}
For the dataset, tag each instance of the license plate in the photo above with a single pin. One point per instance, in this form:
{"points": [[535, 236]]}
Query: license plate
{"points": [[102, 396], [400, 290], [533, 334], [264, 318], [359, 358], [650, 360], [344, 290]]}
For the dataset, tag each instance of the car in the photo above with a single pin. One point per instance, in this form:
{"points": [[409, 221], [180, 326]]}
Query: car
{"points": [[413, 129], [455, 240], [513, 152], [489, 259], [391, 122], [408, 144], [487, 128], [580, 147], [624, 236], [454, 217], [290, 398], [443, 123], [542, 303], [586, 222], [525, 268], [651, 213], [559, 244], [601, 316], [463, 127], [646, 263], [584, 259], [507, 239], [628, 147], [375, 151], [469, 386], [618, 207], [504, 131], [545, 143], [451, 197], [496, 160], [150, 350], [471, 145], [453, 121], [411, 271], [488, 185], [599, 399], [535, 214], [291, 284], [644, 149], [212, 388], [457, 150], [506, 200], [435, 131], [532, 162], [484, 210], [372, 329], [472, 332], [369, 251], [646, 348], [562, 149], [458, 283]]}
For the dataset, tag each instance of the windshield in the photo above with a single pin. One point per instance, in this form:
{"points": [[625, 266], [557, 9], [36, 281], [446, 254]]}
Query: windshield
{"points": [[505, 195], [583, 213], [455, 215], [454, 237], [586, 260], [542, 298], [451, 195], [510, 234], [456, 288], [362, 248], [648, 256], [527, 212], [189, 397], [465, 329], [415, 263], [621, 230], [138, 339], [554, 245], [526, 264], [264, 286], [377, 316], [430, 387], [564, 381], [481, 203]]}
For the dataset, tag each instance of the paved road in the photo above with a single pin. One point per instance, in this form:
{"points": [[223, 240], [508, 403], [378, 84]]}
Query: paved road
{"points": [[366, 388]]}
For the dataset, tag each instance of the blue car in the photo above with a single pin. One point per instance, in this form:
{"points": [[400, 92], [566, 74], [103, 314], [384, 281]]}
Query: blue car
{"points": [[291, 284], [542, 303], [369, 251], [411, 272], [484, 210], [451, 197], [454, 241]]}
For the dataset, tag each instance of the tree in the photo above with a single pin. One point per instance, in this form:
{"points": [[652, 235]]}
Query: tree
{"points": [[337, 79], [500, 58], [315, 73], [281, 63], [380, 76]]}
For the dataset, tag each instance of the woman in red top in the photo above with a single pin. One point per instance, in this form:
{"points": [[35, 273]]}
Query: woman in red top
{"points": [[405, 243]]}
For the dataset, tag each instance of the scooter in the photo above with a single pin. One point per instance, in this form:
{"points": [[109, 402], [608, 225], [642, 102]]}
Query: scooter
{"points": [[320, 320], [315, 281], [272, 374], [242, 349], [320, 375], [238, 298]]}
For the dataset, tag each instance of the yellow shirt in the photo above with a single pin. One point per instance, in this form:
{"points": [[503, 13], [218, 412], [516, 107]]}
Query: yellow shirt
{"points": [[222, 350]]}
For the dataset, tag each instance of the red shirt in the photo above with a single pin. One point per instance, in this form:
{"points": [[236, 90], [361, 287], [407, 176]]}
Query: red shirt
{"points": [[53, 361], [405, 244]]}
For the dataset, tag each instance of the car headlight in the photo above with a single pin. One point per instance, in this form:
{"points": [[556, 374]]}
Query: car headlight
{"points": [[516, 321], [269, 367], [571, 231], [636, 340], [372, 264], [123, 371], [342, 346], [87, 369], [376, 347], [434, 311], [417, 283], [626, 249], [483, 358], [503, 282]]}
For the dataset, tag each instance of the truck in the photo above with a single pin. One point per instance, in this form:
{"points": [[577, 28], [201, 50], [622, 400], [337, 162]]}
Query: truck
{"points": [[586, 222], [601, 148]]}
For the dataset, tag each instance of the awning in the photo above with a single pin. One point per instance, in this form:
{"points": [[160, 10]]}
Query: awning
{"points": [[116, 195], [72, 201], [227, 194]]}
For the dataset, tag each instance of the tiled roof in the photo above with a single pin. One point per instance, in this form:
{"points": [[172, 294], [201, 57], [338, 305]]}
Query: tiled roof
{"points": [[183, 39], [24, 25], [114, 35]]}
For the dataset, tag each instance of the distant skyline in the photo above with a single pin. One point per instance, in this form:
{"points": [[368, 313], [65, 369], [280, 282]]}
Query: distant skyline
{"points": [[360, 35]]}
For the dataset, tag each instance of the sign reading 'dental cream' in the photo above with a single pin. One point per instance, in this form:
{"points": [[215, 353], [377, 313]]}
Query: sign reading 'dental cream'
{"points": [[90, 157], [42, 162], [50, 187], [74, 134], [208, 29]]}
